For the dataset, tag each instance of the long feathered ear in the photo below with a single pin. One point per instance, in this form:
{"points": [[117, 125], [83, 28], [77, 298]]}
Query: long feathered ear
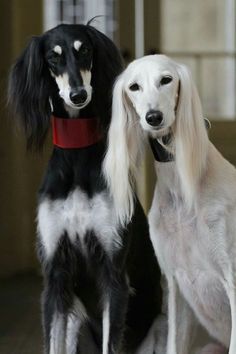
{"points": [[107, 64], [191, 140], [124, 147], [28, 93]]}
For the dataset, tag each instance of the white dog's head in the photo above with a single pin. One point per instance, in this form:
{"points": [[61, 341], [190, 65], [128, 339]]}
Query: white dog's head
{"points": [[154, 96], [151, 86]]}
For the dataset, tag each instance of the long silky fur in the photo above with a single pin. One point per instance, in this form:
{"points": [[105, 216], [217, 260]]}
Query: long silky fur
{"points": [[189, 133], [125, 142], [28, 93]]}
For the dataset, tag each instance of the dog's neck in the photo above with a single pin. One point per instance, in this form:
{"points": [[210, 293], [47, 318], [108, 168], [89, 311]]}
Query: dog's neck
{"points": [[74, 128], [60, 109], [72, 112], [160, 148], [76, 133], [168, 182]]}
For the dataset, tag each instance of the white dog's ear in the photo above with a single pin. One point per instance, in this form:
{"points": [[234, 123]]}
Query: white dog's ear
{"points": [[190, 137], [124, 146]]}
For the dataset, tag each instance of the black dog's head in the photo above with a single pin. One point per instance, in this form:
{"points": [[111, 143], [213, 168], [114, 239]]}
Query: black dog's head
{"points": [[67, 69], [69, 59]]}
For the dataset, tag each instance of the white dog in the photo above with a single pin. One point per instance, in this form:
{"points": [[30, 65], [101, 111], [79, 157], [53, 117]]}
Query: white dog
{"points": [[193, 214]]}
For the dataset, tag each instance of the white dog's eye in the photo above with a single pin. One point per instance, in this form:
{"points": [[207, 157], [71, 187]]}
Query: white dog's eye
{"points": [[166, 80], [134, 87]]}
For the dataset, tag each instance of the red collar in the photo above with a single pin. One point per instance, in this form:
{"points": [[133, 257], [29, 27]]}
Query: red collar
{"points": [[75, 133]]}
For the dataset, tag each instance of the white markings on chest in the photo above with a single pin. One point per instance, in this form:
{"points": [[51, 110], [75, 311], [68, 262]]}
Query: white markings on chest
{"points": [[76, 215]]}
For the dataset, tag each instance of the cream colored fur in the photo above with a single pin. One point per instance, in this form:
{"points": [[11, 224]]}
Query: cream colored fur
{"points": [[193, 214]]}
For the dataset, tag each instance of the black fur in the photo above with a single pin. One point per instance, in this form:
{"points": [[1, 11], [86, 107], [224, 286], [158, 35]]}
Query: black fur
{"points": [[31, 84], [70, 271]]}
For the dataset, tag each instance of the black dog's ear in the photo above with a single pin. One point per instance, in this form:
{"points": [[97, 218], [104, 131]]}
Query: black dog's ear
{"points": [[28, 93], [107, 65]]}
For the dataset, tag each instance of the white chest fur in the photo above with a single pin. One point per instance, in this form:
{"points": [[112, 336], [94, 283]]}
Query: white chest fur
{"points": [[76, 215]]}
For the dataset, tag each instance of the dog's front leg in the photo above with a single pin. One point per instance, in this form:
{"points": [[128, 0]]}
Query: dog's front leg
{"points": [[232, 299], [180, 321], [57, 301], [54, 325], [114, 313], [75, 319], [172, 313]]}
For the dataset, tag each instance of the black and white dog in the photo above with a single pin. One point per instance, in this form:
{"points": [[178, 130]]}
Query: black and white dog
{"points": [[102, 289]]}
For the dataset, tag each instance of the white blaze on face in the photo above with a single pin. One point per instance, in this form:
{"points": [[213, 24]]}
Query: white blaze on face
{"points": [[77, 45], [86, 77], [63, 80], [64, 87], [57, 49]]}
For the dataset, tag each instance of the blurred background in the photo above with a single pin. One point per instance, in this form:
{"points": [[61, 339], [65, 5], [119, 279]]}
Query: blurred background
{"points": [[199, 33]]}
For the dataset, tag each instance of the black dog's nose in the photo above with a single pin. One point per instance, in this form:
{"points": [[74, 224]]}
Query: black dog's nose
{"points": [[154, 118], [79, 96]]}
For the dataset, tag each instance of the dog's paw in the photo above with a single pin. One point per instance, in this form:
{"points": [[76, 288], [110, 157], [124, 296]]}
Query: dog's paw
{"points": [[212, 349]]}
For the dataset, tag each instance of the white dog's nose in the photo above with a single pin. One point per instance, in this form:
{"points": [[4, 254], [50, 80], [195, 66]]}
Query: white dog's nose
{"points": [[154, 118]]}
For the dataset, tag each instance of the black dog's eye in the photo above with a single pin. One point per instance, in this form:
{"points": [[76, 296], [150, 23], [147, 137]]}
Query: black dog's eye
{"points": [[54, 59], [84, 50], [134, 87], [166, 80]]}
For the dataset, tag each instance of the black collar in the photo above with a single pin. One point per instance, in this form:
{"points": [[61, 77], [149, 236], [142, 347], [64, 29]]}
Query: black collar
{"points": [[158, 150]]}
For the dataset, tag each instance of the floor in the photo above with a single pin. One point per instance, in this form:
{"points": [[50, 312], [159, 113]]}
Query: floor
{"points": [[20, 322], [20, 319]]}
